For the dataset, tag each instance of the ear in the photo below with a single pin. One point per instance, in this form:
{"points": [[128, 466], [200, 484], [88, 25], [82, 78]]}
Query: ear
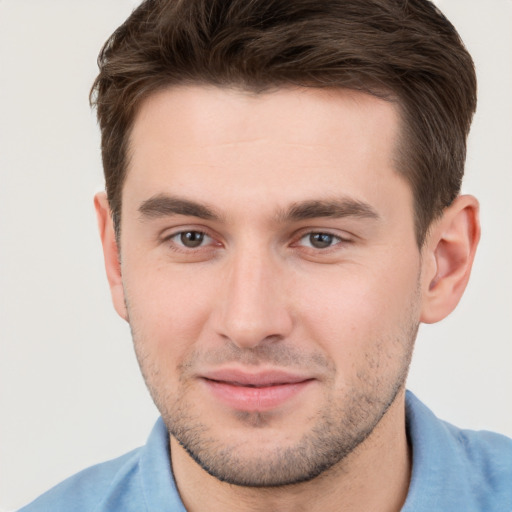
{"points": [[448, 256], [110, 253]]}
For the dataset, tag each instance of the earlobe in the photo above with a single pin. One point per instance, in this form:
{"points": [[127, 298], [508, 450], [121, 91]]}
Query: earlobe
{"points": [[448, 256], [110, 253]]}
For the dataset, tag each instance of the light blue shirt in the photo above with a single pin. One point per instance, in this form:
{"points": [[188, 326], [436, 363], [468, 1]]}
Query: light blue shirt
{"points": [[453, 470]]}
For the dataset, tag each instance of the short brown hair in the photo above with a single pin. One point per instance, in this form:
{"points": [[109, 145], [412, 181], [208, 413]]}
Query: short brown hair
{"points": [[403, 50]]}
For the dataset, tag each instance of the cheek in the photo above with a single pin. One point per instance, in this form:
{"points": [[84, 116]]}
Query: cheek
{"points": [[167, 310], [363, 314]]}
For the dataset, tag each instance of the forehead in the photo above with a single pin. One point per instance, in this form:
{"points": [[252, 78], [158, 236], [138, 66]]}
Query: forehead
{"points": [[207, 115], [279, 146]]}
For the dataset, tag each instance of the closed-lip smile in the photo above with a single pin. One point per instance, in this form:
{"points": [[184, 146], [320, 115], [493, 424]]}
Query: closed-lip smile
{"points": [[254, 391]]}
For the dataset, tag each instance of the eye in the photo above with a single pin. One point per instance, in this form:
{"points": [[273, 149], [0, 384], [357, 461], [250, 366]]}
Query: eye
{"points": [[191, 239], [318, 240]]}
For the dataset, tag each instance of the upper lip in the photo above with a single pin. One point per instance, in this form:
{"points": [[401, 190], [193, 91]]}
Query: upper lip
{"points": [[264, 378]]}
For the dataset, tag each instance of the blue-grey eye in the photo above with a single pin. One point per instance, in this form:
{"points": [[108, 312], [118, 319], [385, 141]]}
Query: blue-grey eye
{"points": [[321, 240]]}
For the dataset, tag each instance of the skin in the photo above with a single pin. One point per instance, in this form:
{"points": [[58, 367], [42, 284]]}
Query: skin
{"points": [[304, 262]]}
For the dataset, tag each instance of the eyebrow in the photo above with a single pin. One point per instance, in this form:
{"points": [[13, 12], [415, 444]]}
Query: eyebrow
{"points": [[163, 205], [166, 206], [333, 208]]}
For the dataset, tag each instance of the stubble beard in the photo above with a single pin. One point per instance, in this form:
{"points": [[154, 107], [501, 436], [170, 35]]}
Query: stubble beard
{"points": [[342, 425], [334, 436]]}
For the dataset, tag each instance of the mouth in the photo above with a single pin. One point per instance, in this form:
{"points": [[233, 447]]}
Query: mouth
{"points": [[251, 392]]}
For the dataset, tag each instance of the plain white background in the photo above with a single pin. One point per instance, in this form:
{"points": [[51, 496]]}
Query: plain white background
{"points": [[70, 390]]}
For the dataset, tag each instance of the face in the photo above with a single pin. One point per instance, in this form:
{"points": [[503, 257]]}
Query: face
{"points": [[270, 274]]}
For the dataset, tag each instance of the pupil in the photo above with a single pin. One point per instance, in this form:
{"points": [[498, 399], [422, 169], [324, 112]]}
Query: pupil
{"points": [[320, 240], [191, 238]]}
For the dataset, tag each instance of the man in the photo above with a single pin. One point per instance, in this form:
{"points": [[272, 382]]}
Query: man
{"points": [[283, 209]]}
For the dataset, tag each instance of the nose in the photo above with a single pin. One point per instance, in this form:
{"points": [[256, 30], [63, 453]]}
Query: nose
{"points": [[253, 306]]}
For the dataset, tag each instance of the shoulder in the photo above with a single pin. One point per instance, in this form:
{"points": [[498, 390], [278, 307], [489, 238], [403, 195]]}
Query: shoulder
{"points": [[486, 458], [140, 481], [456, 469], [88, 488]]}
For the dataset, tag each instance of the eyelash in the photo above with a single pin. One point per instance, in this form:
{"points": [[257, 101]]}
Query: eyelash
{"points": [[335, 239], [179, 246]]}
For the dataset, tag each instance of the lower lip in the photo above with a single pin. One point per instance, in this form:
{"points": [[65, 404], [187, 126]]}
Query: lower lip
{"points": [[245, 398]]}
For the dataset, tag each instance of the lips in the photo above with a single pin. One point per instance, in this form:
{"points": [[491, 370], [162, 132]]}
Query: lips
{"points": [[262, 391]]}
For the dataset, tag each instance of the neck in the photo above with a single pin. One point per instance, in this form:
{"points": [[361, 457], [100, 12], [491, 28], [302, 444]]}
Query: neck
{"points": [[375, 476]]}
